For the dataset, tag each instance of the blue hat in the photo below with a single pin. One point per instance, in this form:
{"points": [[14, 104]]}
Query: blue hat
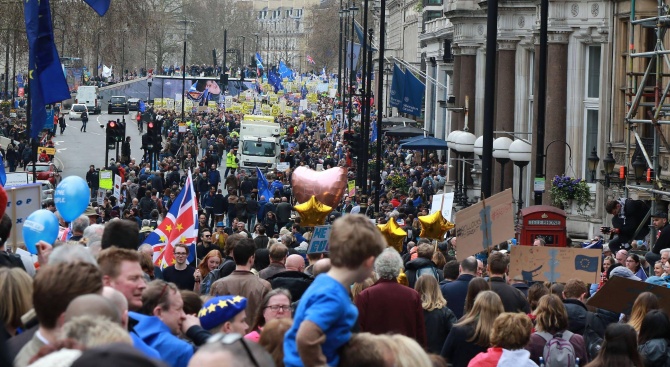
{"points": [[219, 224], [218, 310]]}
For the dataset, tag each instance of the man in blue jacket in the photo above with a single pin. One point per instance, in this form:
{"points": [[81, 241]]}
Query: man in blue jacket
{"points": [[456, 291]]}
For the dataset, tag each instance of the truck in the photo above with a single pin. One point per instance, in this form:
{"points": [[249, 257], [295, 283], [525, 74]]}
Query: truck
{"points": [[259, 143], [89, 95]]}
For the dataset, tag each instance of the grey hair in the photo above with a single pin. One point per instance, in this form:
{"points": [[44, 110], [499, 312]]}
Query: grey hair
{"points": [[146, 222], [80, 224], [388, 264], [665, 250], [70, 253], [144, 246], [93, 233]]}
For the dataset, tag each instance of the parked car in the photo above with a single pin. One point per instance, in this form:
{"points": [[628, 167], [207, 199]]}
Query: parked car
{"points": [[76, 111], [47, 191], [117, 104], [133, 104], [45, 172]]}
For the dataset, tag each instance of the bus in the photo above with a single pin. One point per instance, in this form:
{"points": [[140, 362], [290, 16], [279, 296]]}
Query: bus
{"points": [[73, 68]]}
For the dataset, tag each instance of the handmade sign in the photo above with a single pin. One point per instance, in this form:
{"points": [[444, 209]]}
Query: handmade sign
{"points": [[447, 204], [555, 264], [484, 224], [619, 294], [319, 241]]}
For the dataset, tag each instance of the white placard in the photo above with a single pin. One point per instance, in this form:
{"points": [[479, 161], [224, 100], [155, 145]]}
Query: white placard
{"points": [[283, 166], [100, 198], [22, 201], [16, 179], [446, 207], [117, 186]]}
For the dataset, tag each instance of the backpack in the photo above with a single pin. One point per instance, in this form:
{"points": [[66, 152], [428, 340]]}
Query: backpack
{"points": [[592, 340], [558, 351], [427, 270]]}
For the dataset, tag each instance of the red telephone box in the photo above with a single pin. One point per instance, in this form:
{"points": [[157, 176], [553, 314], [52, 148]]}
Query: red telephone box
{"points": [[543, 221]]}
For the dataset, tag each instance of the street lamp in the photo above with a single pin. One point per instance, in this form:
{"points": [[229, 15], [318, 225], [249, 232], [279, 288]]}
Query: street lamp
{"points": [[501, 155], [639, 166], [149, 81], [244, 41], [592, 161], [353, 9], [183, 72], [520, 154], [465, 144]]}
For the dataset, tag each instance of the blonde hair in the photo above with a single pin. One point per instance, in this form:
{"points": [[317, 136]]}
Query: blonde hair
{"points": [[645, 302], [511, 331], [485, 310], [16, 288], [431, 296], [359, 287], [92, 331], [408, 353]]}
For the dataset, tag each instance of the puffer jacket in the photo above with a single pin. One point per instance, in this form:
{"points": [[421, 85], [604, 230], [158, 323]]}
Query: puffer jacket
{"points": [[655, 353]]}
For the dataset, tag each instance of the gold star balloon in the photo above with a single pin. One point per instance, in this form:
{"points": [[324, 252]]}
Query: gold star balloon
{"points": [[312, 212], [393, 234], [434, 226]]}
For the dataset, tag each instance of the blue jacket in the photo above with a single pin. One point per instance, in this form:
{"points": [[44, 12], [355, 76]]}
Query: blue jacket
{"points": [[151, 330], [455, 293]]}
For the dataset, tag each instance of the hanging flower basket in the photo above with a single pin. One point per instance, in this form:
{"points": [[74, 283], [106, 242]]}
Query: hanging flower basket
{"points": [[566, 190]]}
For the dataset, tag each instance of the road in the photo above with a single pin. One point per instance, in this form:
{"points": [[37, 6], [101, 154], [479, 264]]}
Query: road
{"points": [[76, 150]]}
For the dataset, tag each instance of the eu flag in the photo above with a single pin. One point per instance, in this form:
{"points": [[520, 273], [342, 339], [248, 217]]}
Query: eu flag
{"points": [[47, 82], [586, 263], [100, 6], [263, 185]]}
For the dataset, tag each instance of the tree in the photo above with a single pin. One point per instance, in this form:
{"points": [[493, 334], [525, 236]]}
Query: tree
{"points": [[323, 40]]}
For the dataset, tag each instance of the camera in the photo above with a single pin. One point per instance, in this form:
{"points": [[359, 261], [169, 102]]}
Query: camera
{"points": [[605, 230]]}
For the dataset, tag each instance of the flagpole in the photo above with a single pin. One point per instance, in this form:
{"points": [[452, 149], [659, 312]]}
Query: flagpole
{"points": [[380, 103]]}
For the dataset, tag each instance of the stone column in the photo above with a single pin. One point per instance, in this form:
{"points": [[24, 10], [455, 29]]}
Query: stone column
{"points": [[504, 108], [557, 73], [455, 119], [467, 84]]}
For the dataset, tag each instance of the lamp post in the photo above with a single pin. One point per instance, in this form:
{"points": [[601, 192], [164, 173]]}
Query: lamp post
{"points": [[183, 72], [149, 81], [353, 9], [344, 13], [520, 154], [465, 144], [609, 162], [244, 41], [639, 166], [267, 54], [592, 161], [501, 155]]}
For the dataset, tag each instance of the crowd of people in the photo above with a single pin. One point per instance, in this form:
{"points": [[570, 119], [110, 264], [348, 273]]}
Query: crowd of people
{"points": [[253, 295]]}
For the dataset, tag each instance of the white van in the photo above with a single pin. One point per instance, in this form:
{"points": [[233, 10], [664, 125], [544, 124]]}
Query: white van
{"points": [[89, 96]]}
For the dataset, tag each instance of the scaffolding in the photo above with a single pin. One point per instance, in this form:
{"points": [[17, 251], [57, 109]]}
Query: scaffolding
{"points": [[639, 92]]}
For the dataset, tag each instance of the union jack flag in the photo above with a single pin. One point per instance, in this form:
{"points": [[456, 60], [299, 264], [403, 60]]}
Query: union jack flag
{"points": [[179, 226], [310, 60]]}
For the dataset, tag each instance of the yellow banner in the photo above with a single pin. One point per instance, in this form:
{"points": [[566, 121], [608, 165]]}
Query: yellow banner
{"points": [[276, 110], [242, 97], [351, 185], [329, 127], [106, 180], [158, 102], [312, 97], [50, 151]]}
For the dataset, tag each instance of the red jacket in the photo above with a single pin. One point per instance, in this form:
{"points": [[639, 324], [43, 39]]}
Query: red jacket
{"points": [[389, 307]]}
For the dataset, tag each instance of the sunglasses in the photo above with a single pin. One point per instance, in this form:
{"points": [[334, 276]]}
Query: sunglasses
{"points": [[230, 339]]}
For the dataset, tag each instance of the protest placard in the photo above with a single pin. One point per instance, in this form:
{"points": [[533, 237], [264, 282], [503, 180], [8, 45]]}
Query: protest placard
{"points": [[619, 294], [446, 205], [484, 224], [21, 202], [319, 241], [555, 264]]}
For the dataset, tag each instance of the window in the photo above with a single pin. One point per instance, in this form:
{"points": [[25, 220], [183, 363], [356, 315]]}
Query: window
{"points": [[593, 72], [433, 2], [433, 14], [261, 149]]}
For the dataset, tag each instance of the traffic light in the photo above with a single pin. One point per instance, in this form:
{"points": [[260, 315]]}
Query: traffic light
{"points": [[151, 128], [110, 133], [115, 133]]}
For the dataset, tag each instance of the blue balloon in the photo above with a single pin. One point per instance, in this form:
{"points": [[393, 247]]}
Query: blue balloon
{"points": [[41, 225], [72, 196]]}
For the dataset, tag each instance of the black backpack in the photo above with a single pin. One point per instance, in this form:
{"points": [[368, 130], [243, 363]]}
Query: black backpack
{"points": [[592, 340], [8, 260]]}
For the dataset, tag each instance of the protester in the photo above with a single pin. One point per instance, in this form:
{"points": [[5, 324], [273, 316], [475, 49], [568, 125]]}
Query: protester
{"points": [[644, 303], [619, 348], [456, 292], [509, 336], [276, 305], [204, 275], [512, 298], [406, 317], [471, 335], [325, 309], [272, 338], [225, 314], [437, 316], [653, 339]]}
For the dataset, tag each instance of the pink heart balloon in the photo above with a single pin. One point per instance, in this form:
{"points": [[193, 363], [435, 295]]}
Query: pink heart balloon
{"points": [[327, 186]]}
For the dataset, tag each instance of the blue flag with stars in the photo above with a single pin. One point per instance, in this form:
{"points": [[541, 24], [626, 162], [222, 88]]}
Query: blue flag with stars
{"points": [[47, 81], [586, 263]]}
